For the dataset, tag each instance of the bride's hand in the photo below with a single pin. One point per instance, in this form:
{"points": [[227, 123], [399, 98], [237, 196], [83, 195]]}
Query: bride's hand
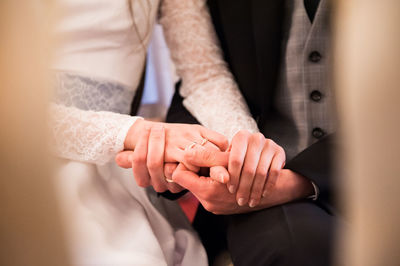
{"points": [[154, 144], [177, 137]]}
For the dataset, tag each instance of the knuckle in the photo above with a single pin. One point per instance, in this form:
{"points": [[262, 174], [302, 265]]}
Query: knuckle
{"points": [[207, 206], [236, 162], [152, 165], [242, 134], [159, 188], [281, 150], [142, 182], [262, 172], [274, 172], [208, 155], [138, 158], [269, 142], [247, 171], [258, 137]]}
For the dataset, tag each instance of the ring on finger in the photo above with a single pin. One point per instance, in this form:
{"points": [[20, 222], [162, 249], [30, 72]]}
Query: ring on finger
{"points": [[194, 143], [191, 145], [203, 141], [169, 180]]}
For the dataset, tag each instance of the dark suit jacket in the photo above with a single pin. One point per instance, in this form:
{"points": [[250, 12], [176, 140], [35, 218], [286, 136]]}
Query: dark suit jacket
{"points": [[250, 34]]}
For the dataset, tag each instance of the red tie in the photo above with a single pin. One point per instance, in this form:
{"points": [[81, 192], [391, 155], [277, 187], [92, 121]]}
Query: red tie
{"points": [[189, 204]]}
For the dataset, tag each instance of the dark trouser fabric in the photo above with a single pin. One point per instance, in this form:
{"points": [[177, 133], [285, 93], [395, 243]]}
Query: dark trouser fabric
{"points": [[298, 233]]}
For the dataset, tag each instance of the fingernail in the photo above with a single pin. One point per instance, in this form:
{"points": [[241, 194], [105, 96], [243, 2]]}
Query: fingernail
{"points": [[221, 178], [231, 189], [252, 203], [264, 194], [241, 201]]}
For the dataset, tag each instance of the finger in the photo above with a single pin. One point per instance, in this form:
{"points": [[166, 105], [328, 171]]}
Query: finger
{"points": [[278, 161], [186, 178], [261, 175], [139, 159], [210, 145], [191, 181], [219, 174], [169, 169], [205, 157], [192, 167], [214, 137], [155, 157], [253, 154], [124, 159], [174, 187], [236, 158]]}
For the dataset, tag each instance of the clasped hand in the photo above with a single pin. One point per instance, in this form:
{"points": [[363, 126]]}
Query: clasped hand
{"points": [[245, 175]]}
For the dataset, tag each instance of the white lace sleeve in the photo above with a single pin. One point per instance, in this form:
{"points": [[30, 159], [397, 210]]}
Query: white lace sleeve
{"points": [[209, 90], [88, 136]]}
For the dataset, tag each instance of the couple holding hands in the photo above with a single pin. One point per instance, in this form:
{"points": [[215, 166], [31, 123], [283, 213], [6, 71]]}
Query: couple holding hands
{"points": [[250, 166], [277, 53]]}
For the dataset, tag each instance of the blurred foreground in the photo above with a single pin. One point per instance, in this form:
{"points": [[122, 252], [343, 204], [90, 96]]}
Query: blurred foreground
{"points": [[367, 79]]}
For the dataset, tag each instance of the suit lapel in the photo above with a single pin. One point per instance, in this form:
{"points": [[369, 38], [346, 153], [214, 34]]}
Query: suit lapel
{"points": [[250, 35], [234, 27], [267, 22]]}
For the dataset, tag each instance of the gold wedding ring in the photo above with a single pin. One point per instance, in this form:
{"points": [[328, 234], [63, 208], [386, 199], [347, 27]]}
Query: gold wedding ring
{"points": [[191, 145], [194, 143], [203, 141]]}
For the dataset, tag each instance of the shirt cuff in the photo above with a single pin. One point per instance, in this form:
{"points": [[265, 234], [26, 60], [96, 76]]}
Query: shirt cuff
{"points": [[315, 196]]}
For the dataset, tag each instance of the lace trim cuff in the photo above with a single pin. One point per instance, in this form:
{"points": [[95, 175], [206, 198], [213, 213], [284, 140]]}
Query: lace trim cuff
{"points": [[225, 112], [119, 143]]}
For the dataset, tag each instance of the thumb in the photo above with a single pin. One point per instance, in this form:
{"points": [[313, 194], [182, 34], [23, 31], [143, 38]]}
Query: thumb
{"points": [[219, 174], [203, 157], [124, 159], [187, 179]]}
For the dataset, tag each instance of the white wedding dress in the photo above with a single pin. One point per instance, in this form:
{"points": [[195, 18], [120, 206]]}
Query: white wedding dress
{"points": [[100, 60]]}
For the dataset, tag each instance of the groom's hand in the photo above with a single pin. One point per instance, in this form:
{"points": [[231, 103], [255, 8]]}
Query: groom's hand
{"points": [[252, 162], [216, 198]]}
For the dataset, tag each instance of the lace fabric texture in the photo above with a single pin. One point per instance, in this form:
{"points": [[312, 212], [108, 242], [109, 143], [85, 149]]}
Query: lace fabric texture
{"points": [[210, 92], [97, 134], [88, 136], [86, 120], [89, 93]]}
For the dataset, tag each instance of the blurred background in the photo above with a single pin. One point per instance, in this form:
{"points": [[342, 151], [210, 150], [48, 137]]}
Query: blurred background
{"points": [[366, 77]]}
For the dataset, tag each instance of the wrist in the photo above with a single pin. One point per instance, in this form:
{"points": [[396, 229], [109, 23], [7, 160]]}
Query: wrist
{"points": [[302, 186], [133, 133], [289, 186]]}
